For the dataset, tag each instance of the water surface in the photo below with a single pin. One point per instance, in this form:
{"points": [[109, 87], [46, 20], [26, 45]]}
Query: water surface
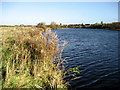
{"points": [[96, 52]]}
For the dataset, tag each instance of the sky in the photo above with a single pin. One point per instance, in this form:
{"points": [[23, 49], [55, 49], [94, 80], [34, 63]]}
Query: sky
{"points": [[31, 13]]}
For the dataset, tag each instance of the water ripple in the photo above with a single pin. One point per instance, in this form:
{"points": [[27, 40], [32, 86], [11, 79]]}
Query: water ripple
{"points": [[96, 52]]}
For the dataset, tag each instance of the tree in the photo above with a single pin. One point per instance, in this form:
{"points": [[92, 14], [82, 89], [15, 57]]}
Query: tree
{"points": [[102, 22], [60, 24], [53, 25], [41, 25]]}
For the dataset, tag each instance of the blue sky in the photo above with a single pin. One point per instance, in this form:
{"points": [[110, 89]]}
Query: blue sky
{"points": [[15, 13]]}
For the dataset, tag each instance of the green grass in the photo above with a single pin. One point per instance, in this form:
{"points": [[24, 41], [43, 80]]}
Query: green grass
{"points": [[27, 59]]}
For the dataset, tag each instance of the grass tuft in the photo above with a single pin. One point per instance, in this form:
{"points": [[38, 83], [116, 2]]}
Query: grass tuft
{"points": [[27, 59]]}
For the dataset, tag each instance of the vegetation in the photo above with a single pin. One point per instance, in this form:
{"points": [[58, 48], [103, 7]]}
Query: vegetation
{"points": [[53, 25], [27, 59], [41, 25], [28, 55], [109, 26]]}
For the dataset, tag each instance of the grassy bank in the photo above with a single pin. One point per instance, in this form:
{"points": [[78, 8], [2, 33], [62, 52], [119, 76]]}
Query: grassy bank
{"points": [[27, 59]]}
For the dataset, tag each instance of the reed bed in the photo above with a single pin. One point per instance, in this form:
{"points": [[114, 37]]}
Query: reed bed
{"points": [[28, 56]]}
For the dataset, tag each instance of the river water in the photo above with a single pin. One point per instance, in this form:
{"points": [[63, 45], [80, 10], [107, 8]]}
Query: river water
{"points": [[95, 51]]}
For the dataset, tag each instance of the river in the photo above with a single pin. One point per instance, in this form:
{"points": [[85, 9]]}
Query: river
{"points": [[95, 51]]}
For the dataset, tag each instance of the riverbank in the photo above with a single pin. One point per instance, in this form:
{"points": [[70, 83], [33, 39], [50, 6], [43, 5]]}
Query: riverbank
{"points": [[54, 26], [27, 59]]}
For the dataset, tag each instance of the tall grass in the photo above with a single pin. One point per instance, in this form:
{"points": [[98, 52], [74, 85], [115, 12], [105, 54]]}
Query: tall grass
{"points": [[27, 59]]}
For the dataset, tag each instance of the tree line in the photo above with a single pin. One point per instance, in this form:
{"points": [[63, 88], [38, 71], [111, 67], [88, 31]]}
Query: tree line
{"points": [[54, 25]]}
